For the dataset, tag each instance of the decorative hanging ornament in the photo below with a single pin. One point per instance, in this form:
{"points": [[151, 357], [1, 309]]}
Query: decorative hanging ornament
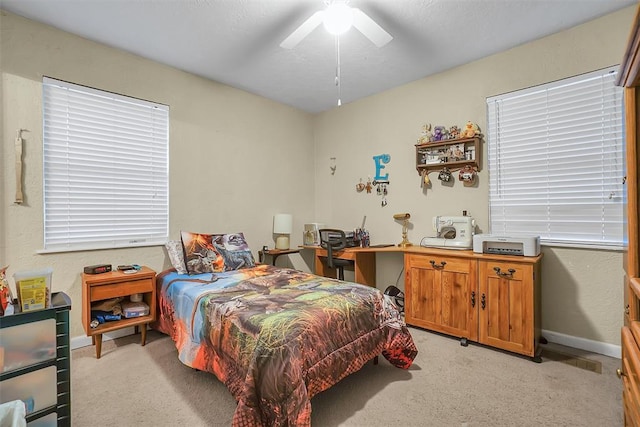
{"points": [[425, 179], [468, 175]]}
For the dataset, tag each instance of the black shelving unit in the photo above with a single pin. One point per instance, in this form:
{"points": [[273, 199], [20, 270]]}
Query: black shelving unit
{"points": [[59, 311]]}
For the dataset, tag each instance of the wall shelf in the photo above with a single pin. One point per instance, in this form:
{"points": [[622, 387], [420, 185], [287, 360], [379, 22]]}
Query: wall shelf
{"points": [[452, 154]]}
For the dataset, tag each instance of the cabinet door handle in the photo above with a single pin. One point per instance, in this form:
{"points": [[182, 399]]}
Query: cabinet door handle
{"points": [[620, 373], [441, 265], [473, 298], [626, 309], [503, 274], [483, 301]]}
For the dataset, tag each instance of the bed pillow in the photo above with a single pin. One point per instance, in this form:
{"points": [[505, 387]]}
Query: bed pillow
{"points": [[176, 255], [200, 256], [235, 251], [213, 253]]}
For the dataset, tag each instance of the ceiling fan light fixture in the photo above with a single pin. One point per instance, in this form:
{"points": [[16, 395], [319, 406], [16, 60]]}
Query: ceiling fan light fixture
{"points": [[337, 18]]}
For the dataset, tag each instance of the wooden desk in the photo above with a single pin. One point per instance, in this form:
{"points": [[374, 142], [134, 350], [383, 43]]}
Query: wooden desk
{"points": [[364, 262], [365, 259]]}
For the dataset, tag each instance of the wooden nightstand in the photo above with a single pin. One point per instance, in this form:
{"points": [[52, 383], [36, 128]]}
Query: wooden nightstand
{"points": [[100, 287]]}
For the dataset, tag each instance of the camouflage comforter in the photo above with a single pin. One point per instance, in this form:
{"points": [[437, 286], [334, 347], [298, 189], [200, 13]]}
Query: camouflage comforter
{"points": [[276, 337]]}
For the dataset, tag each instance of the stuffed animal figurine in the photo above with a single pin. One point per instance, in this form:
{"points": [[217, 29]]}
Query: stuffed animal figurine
{"points": [[439, 134], [454, 132], [425, 135], [470, 130]]}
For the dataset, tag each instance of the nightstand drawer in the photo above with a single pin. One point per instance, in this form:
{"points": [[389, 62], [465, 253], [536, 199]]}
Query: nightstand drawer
{"points": [[121, 289]]}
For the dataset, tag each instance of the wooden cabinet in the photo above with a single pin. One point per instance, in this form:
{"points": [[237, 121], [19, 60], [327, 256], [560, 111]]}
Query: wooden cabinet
{"points": [[631, 377], [439, 294], [452, 154], [490, 299], [105, 286], [509, 306], [629, 78], [35, 362]]}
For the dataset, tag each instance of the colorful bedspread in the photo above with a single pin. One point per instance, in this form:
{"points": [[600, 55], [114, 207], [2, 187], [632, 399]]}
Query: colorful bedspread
{"points": [[276, 337]]}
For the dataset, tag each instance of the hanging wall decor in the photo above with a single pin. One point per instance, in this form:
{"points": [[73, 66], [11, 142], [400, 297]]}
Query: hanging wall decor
{"points": [[380, 161], [381, 181], [18, 147]]}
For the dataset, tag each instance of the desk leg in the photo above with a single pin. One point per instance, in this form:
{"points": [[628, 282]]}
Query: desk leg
{"points": [[365, 268], [321, 268]]}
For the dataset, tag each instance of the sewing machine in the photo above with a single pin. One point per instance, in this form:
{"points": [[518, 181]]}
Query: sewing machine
{"points": [[452, 232]]}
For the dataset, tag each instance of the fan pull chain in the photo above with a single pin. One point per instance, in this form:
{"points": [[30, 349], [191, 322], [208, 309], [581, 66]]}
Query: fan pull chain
{"points": [[338, 70]]}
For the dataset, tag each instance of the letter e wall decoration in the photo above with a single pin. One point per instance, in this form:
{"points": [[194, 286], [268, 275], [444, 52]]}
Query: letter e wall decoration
{"points": [[380, 161]]}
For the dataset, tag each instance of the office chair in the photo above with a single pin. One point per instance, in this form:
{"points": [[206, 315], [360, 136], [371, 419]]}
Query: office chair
{"points": [[334, 240]]}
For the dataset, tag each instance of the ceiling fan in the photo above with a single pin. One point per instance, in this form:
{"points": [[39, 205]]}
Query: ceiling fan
{"points": [[338, 17]]}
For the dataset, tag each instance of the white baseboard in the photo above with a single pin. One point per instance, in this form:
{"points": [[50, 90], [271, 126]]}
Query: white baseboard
{"points": [[78, 342], [606, 349]]}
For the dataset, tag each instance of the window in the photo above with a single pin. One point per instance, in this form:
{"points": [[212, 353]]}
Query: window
{"points": [[556, 162], [105, 169]]}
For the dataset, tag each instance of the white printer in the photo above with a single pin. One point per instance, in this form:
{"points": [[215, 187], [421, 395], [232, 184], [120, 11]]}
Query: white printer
{"points": [[503, 245]]}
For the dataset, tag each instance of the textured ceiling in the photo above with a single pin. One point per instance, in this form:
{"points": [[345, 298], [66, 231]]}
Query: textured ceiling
{"points": [[236, 42]]}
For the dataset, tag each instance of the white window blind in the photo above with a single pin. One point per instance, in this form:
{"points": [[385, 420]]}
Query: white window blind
{"points": [[105, 169], [556, 162]]}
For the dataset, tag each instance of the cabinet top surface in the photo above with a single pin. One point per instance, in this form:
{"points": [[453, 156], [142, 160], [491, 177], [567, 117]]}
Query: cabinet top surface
{"points": [[117, 276], [419, 250]]}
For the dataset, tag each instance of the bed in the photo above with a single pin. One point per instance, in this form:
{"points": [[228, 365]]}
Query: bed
{"points": [[276, 336]]}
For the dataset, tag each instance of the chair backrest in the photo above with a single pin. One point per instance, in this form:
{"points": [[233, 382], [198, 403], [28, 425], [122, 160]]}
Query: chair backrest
{"points": [[332, 239]]}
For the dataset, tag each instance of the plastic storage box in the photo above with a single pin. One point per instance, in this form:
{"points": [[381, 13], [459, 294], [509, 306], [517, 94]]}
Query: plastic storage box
{"points": [[33, 289], [134, 309]]}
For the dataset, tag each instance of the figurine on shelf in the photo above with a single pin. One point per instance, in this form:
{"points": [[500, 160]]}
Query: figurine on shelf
{"points": [[425, 134], [439, 134], [454, 132], [457, 153], [5, 292], [470, 130]]}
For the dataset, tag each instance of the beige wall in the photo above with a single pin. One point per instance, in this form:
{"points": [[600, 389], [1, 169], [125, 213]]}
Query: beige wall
{"points": [[235, 158], [581, 289], [233, 149]]}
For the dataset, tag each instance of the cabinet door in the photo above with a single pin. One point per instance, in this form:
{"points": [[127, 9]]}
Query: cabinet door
{"points": [[630, 379], [506, 306], [440, 294]]}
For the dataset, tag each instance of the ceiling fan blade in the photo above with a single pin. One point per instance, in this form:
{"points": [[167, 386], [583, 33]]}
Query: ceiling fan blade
{"points": [[370, 28], [303, 30]]}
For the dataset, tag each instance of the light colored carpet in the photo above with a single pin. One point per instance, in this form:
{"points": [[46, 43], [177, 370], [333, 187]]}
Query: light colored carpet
{"points": [[448, 385]]}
